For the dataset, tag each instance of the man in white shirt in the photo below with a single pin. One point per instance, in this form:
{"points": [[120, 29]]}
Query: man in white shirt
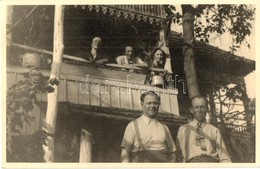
{"points": [[129, 58], [146, 139], [199, 141]]}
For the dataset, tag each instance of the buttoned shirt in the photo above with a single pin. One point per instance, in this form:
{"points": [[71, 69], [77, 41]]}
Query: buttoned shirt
{"points": [[154, 136], [124, 60], [215, 147]]}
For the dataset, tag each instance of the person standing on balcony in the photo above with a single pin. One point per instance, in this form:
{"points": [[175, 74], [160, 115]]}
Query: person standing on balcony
{"points": [[129, 58], [146, 139], [158, 58], [95, 55], [157, 61], [199, 141]]}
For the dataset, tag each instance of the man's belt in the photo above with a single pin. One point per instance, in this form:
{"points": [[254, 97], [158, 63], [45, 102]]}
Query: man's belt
{"points": [[150, 156], [203, 158]]}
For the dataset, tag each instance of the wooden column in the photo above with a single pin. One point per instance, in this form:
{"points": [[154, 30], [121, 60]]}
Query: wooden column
{"points": [[163, 45], [52, 105], [9, 23], [163, 41], [85, 147]]}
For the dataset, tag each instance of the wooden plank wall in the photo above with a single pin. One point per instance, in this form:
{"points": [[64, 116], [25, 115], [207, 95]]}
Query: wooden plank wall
{"points": [[92, 90]]}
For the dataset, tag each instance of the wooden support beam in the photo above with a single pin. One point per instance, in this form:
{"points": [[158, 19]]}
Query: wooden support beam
{"points": [[116, 113], [85, 146], [43, 51], [9, 23], [51, 114]]}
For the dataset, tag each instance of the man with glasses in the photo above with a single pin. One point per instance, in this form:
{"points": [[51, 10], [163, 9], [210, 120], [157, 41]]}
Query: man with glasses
{"points": [[199, 141]]}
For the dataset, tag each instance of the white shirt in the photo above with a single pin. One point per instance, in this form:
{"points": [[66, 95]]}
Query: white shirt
{"points": [[215, 147], [154, 136], [124, 60]]}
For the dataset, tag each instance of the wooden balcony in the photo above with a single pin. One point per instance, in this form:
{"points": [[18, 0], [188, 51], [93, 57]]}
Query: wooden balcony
{"points": [[104, 86], [100, 101]]}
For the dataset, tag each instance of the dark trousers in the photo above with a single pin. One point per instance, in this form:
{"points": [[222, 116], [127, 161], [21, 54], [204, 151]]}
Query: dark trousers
{"points": [[204, 159], [150, 156]]}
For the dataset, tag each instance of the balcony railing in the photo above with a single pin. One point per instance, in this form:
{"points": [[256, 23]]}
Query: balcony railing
{"points": [[102, 86]]}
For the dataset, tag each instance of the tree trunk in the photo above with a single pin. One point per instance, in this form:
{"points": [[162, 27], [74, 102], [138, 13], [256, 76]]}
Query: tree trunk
{"points": [[213, 119], [245, 101], [51, 113], [188, 52]]}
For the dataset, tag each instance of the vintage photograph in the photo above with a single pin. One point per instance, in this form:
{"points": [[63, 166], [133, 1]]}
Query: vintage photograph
{"points": [[130, 83]]}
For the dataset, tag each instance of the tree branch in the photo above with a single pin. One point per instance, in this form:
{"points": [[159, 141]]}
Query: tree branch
{"points": [[219, 17], [200, 8], [21, 20], [238, 113]]}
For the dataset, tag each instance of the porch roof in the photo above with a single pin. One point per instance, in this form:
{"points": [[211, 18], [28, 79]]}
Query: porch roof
{"points": [[152, 13], [213, 59], [209, 58], [117, 113]]}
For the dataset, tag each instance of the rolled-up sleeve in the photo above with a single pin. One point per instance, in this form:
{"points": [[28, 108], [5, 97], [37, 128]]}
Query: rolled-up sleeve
{"points": [[128, 139]]}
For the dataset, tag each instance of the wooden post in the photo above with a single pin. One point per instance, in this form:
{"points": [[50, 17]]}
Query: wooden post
{"points": [[163, 45], [51, 113], [85, 147], [163, 41], [245, 101], [9, 23]]}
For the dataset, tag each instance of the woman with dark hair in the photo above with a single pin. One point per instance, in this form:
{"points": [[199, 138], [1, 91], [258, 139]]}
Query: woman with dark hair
{"points": [[158, 58], [156, 76]]}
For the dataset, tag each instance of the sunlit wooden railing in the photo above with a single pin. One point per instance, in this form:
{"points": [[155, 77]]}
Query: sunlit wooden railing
{"points": [[104, 87]]}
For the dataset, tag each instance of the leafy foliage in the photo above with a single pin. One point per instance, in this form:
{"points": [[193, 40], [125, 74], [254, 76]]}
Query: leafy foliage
{"points": [[215, 20], [219, 19], [21, 98], [238, 134], [27, 148]]}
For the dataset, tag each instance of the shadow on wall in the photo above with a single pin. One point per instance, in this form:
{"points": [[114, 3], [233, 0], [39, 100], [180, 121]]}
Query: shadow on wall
{"points": [[106, 135]]}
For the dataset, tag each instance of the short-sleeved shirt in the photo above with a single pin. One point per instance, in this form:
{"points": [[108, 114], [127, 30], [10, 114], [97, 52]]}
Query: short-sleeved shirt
{"points": [[154, 136], [124, 60]]}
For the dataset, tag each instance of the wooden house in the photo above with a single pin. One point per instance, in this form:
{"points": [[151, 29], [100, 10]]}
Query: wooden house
{"points": [[100, 101]]}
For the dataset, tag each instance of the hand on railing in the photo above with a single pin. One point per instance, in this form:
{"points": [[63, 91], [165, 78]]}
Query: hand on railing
{"points": [[129, 66]]}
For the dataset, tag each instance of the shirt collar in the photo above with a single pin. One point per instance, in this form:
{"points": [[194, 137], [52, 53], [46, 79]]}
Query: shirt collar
{"points": [[147, 120], [194, 123]]}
